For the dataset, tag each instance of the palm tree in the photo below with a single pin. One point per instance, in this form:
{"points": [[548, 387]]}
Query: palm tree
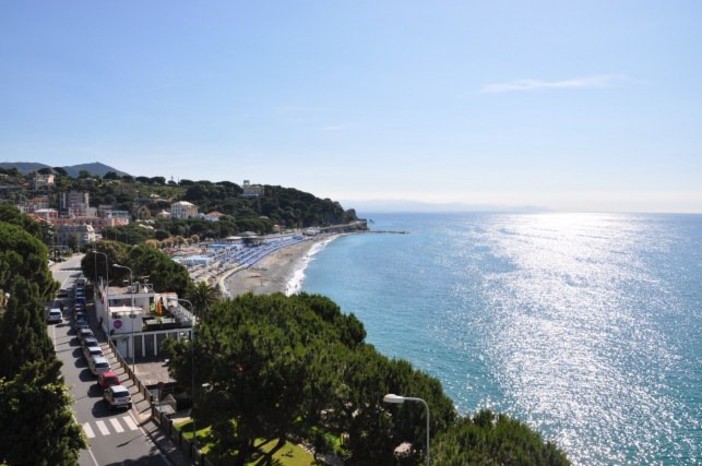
{"points": [[202, 296]]}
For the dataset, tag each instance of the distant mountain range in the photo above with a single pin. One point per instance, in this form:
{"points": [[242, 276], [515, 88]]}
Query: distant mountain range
{"points": [[96, 168]]}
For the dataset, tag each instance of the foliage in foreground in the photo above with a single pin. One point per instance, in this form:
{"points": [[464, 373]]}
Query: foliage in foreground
{"points": [[275, 367], [494, 440], [37, 424]]}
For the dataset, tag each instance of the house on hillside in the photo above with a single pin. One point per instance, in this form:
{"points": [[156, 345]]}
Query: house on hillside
{"points": [[41, 181], [183, 210], [213, 216], [252, 190]]}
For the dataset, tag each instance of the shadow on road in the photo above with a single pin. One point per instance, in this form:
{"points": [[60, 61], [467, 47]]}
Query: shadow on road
{"points": [[80, 362], [95, 391], [86, 375]]}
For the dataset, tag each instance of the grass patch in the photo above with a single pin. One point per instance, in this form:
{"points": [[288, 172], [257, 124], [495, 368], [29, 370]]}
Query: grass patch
{"points": [[203, 434], [289, 454]]}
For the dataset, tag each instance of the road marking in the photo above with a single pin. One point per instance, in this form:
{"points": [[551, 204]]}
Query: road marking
{"points": [[117, 426], [102, 427], [130, 423], [88, 430]]}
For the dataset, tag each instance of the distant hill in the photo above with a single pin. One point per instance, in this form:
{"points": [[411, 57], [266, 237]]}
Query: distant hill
{"points": [[23, 167], [95, 168]]}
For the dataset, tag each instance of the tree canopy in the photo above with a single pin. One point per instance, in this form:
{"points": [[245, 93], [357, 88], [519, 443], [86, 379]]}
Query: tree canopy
{"points": [[278, 366], [492, 439], [275, 367], [37, 424]]}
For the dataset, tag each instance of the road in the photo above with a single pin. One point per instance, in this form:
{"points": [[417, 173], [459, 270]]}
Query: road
{"points": [[115, 438]]}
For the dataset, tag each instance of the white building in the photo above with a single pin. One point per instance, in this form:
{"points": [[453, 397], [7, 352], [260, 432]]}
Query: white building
{"points": [[41, 181], [183, 210], [139, 320], [82, 233]]}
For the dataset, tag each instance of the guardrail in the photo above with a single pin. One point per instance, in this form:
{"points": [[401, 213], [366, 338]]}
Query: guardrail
{"points": [[127, 367]]}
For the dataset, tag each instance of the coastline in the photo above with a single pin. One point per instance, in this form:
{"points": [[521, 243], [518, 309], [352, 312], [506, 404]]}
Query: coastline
{"points": [[280, 272]]}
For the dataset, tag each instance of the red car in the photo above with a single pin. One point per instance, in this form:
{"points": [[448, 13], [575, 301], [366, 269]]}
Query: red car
{"points": [[108, 379]]}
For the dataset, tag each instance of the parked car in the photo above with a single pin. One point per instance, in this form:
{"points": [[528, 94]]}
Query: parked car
{"points": [[98, 365], [79, 325], [62, 293], [92, 352], [117, 396], [90, 342], [84, 333], [54, 316], [108, 379]]}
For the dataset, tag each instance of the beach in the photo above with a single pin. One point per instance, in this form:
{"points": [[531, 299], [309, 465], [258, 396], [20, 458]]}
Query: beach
{"points": [[275, 272]]}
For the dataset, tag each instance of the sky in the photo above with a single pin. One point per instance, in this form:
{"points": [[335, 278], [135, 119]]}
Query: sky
{"points": [[567, 105]]}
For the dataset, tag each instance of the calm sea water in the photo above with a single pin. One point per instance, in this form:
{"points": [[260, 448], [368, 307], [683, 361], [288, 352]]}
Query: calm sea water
{"points": [[588, 327]]}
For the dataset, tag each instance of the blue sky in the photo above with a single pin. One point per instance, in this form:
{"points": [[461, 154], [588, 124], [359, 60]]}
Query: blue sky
{"points": [[569, 105]]}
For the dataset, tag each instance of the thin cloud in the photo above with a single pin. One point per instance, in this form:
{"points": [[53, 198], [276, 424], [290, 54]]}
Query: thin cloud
{"points": [[527, 85]]}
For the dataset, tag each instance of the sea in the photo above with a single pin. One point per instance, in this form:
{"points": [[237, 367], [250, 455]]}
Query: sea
{"points": [[587, 327]]}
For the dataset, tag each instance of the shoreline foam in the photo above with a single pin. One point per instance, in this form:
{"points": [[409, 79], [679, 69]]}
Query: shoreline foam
{"points": [[280, 272], [295, 281]]}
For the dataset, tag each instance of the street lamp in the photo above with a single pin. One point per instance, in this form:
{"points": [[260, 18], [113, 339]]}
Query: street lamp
{"points": [[192, 367], [106, 307], [397, 399], [131, 312]]}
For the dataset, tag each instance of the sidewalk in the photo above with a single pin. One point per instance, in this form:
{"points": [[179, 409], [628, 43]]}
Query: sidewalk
{"points": [[141, 408]]}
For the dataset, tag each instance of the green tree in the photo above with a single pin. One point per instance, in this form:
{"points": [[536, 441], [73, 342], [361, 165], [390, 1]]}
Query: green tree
{"points": [[10, 214], [23, 327], [164, 274], [117, 253], [278, 366], [202, 296], [22, 254], [494, 440], [261, 356], [38, 426]]}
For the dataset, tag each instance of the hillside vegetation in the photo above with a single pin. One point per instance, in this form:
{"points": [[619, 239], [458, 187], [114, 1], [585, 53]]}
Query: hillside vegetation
{"points": [[145, 197]]}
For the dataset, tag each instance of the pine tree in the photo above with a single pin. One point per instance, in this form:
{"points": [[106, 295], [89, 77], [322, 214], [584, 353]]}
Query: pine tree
{"points": [[37, 424]]}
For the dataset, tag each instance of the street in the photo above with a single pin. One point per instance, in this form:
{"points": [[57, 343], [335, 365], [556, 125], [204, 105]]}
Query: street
{"points": [[114, 438]]}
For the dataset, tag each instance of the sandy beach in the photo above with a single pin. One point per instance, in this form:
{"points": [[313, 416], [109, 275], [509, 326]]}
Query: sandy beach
{"points": [[273, 273]]}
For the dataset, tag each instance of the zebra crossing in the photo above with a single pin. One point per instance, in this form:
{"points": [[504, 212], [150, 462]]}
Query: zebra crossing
{"points": [[109, 426]]}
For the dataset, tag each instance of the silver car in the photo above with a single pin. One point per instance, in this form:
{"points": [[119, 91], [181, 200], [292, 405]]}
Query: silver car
{"points": [[98, 365], [117, 396]]}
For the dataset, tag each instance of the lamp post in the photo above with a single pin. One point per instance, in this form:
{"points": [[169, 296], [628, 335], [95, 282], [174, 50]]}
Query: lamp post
{"points": [[131, 312], [107, 288], [192, 367], [397, 399]]}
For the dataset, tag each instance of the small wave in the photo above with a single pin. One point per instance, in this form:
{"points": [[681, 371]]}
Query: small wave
{"points": [[294, 284]]}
